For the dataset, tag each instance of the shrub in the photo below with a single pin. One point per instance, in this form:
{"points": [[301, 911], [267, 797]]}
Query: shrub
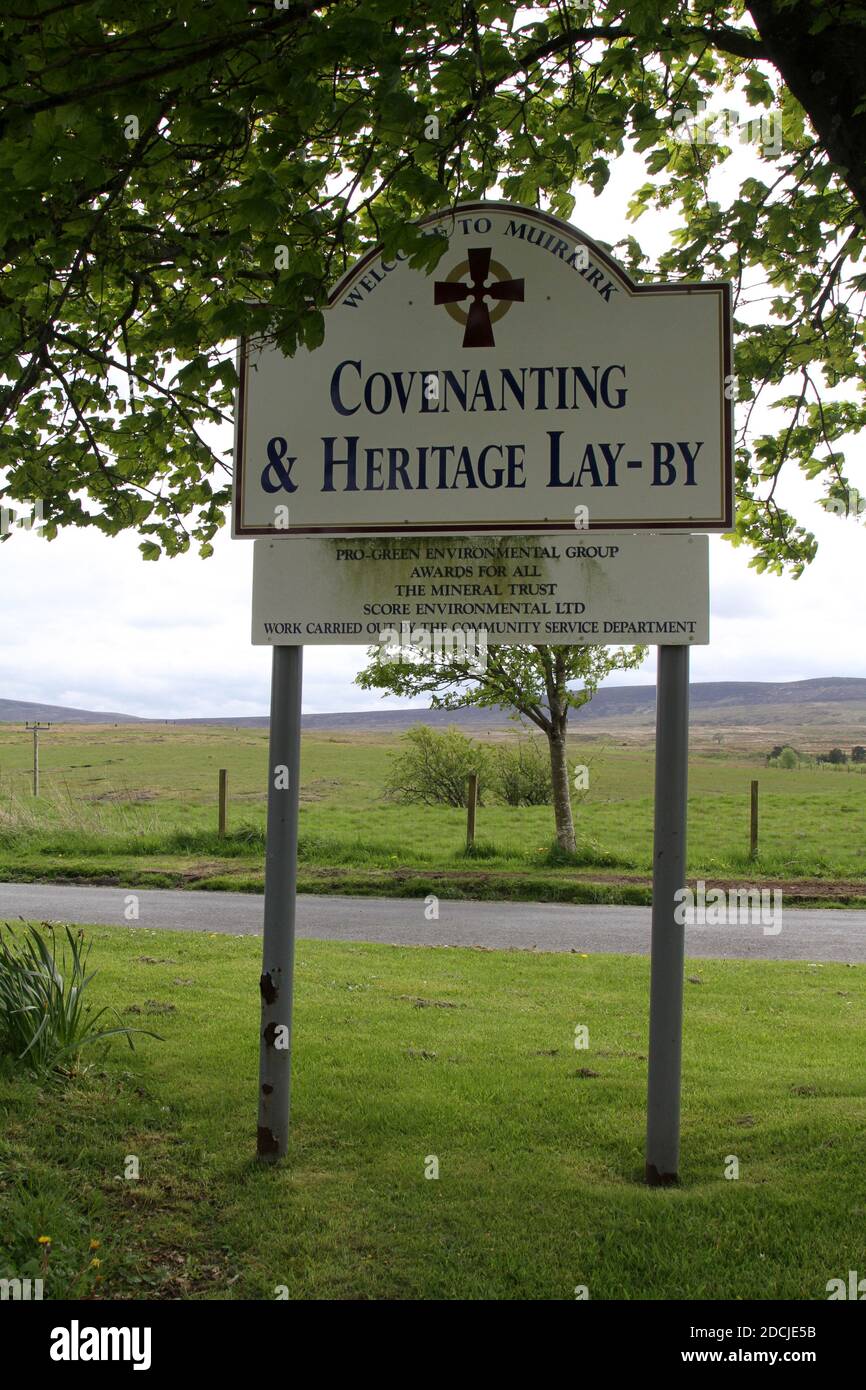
{"points": [[434, 767], [43, 1017], [521, 773]]}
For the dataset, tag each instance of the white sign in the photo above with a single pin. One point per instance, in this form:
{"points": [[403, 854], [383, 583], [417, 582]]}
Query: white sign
{"points": [[606, 588], [526, 377]]}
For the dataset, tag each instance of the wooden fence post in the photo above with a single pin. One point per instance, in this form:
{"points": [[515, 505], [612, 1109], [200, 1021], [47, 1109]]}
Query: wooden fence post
{"points": [[471, 803], [224, 777]]}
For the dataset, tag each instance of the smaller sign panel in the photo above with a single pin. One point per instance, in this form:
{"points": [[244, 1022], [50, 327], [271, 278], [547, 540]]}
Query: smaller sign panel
{"points": [[606, 588]]}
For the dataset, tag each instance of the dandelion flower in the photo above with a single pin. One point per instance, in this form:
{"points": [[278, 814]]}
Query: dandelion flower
{"points": [[44, 1240]]}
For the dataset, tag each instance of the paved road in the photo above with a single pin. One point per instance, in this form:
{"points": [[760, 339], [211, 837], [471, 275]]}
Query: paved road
{"points": [[817, 935]]}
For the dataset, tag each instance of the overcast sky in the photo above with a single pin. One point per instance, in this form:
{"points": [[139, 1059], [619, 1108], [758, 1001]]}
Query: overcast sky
{"points": [[85, 622]]}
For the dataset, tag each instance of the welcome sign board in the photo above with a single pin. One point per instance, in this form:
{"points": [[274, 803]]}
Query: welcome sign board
{"points": [[525, 378]]}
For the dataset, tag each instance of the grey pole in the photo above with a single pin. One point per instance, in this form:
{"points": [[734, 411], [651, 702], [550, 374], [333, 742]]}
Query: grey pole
{"points": [[668, 939], [281, 875]]}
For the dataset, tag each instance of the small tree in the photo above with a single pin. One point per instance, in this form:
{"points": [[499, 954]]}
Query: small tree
{"points": [[858, 754], [534, 681], [837, 756], [434, 767], [788, 758]]}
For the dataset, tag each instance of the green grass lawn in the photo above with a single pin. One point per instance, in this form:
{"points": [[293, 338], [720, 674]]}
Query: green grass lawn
{"points": [[137, 805], [404, 1053]]}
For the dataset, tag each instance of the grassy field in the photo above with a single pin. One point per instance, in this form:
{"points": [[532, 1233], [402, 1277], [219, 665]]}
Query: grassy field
{"points": [[136, 804], [403, 1054]]}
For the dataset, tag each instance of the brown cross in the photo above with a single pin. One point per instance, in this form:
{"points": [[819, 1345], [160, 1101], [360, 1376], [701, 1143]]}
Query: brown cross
{"points": [[479, 328]]}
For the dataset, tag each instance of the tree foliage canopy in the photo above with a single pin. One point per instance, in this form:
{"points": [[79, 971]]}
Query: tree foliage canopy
{"points": [[543, 684], [155, 157]]}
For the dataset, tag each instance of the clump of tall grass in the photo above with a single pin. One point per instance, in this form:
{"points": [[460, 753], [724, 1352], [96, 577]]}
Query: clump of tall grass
{"points": [[56, 824], [242, 840], [44, 1019], [24, 817], [588, 854]]}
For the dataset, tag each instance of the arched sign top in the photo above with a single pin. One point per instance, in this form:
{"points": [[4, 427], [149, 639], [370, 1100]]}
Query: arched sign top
{"points": [[525, 377], [547, 232]]}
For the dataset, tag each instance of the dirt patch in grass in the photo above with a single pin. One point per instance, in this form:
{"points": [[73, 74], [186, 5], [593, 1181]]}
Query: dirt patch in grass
{"points": [[428, 1003], [134, 795], [318, 790], [826, 889], [535, 884]]}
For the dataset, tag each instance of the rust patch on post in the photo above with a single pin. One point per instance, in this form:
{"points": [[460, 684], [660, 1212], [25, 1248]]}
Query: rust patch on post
{"points": [[268, 989], [266, 1088], [267, 1141], [270, 1034], [656, 1179]]}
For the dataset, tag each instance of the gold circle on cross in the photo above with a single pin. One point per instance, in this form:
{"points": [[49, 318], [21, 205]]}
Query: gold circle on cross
{"points": [[459, 272]]}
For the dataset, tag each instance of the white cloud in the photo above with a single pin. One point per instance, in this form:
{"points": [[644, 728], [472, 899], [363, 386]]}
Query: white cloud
{"points": [[85, 622]]}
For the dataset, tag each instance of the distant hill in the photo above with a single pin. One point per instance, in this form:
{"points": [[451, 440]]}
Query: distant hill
{"points": [[821, 707], [818, 709], [21, 711], [715, 702]]}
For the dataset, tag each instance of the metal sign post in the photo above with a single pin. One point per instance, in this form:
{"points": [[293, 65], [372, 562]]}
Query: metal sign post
{"points": [[668, 937], [281, 874]]}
